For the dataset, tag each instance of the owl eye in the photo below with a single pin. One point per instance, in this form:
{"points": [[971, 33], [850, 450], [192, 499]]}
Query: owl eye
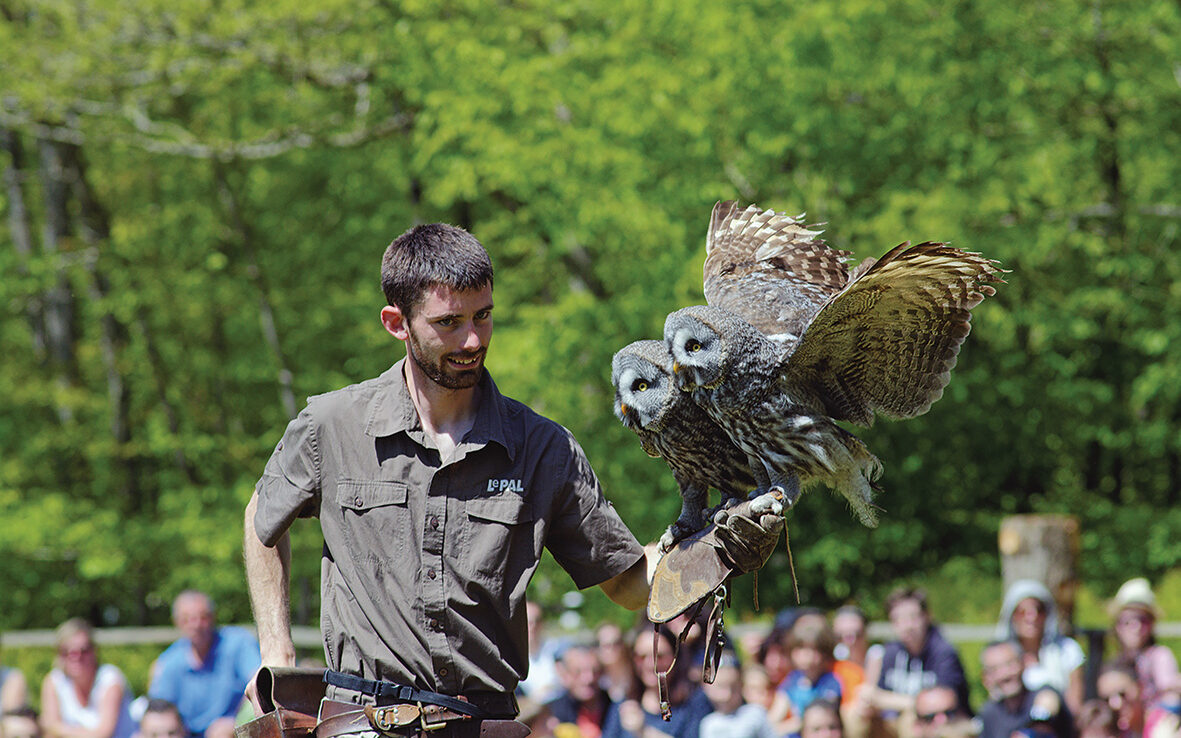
{"points": [[639, 385], [693, 345]]}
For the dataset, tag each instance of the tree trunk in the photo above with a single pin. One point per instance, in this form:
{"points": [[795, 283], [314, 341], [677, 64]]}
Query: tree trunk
{"points": [[1044, 548]]}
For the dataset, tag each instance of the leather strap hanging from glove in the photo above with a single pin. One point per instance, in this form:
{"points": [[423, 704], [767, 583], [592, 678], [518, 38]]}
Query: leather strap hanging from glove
{"points": [[699, 566]]}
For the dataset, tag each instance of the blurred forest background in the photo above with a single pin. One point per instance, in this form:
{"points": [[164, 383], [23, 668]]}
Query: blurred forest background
{"points": [[197, 196]]}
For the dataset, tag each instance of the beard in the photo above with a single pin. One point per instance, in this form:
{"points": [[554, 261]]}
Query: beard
{"points": [[436, 368]]}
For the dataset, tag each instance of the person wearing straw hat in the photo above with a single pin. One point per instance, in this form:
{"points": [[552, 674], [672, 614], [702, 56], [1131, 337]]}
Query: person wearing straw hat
{"points": [[1134, 614]]}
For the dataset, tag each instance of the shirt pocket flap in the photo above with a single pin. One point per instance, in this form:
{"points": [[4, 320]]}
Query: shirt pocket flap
{"points": [[367, 494], [507, 509]]}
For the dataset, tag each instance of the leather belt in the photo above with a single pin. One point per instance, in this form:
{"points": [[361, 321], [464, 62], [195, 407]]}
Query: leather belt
{"points": [[473, 704]]}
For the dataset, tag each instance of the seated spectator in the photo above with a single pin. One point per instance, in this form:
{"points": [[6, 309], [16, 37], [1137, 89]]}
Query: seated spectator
{"points": [[583, 701], [772, 656], [541, 684], [20, 722], [1029, 617], [1012, 707], [80, 698], [822, 719], [14, 692], [205, 672], [920, 658], [1119, 688], [849, 624], [757, 689], [161, 720], [937, 714], [733, 717], [1135, 612], [809, 646], [615, 657], [641, 717], [1096, 720]]}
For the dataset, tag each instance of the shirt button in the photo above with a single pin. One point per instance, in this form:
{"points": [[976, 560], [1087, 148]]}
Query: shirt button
{"points": [[433, 624], [357, 501], [443, 671], [434, 523], [430, 573]]}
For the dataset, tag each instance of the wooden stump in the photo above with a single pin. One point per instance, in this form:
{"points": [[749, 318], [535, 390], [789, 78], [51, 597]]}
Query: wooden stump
{"points": [[1044, 548]]}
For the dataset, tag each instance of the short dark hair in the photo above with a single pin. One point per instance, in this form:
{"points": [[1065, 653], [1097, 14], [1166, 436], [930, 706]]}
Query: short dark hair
{"points": [[918, 594], [814, 632], [162, 706], [430, 255]]}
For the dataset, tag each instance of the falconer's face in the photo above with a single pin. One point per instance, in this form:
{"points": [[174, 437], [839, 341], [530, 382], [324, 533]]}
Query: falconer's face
{"points": [[447, 335]]}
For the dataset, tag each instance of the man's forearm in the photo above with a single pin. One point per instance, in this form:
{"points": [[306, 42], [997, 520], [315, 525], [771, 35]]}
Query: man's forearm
{"points": [[630, 589], [268, 579]]}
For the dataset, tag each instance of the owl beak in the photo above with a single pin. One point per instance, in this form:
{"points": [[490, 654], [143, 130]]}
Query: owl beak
{"points": [[623, 408], [676, 367]]}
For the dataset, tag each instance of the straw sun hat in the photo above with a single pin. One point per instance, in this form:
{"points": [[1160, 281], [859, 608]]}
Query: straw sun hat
{"points": [[1135, 593]]}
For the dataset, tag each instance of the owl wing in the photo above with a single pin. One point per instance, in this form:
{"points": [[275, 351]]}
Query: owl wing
{"points": [[769, 268], [888, 341]]}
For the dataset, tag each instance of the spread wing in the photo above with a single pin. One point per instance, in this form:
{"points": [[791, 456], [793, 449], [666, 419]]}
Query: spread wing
{"points": [[769, 268], [888, 341]]}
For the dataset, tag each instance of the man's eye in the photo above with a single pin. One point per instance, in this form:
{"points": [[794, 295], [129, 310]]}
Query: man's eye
{"points": [[446, 322], [484, 315]]}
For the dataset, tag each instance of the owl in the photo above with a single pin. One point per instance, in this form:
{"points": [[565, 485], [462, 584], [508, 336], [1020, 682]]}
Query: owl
{"points": [[793, 341], [671, 426]]}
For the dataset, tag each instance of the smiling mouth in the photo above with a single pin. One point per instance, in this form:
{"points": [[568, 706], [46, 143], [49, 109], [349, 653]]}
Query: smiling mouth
{"points": [[469, 362]]}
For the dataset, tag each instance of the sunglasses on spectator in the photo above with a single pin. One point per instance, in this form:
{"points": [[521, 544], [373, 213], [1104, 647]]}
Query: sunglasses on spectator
{"points": [[929, 717], [75, 653]]}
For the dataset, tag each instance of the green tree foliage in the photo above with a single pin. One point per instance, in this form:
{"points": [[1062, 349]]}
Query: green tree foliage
{"points": [[197, 198]]}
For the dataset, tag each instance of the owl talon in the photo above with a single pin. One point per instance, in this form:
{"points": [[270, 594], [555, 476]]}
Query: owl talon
{"points": [[769, 503]]}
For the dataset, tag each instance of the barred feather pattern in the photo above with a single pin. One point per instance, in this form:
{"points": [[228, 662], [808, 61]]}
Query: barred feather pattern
{"points": [[671, 426], [735, 383], [888, 341], [770, 269]]}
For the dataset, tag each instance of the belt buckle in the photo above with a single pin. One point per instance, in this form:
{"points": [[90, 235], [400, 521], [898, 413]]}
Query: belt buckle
{"points": [[380, 717], [428, 727]]}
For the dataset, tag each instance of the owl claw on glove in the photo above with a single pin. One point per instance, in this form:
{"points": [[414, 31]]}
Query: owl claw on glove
{"points": [[748, 533]]}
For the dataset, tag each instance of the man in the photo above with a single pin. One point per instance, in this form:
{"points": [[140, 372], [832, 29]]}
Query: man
{"points": [[161, 720], [937, 714], [583, 701], [436, 495], [919, 658], [1012, 708], [1118, 687], [205, 671]]}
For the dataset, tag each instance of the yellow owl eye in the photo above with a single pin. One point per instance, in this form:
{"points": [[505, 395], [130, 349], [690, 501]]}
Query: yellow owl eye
{"points": [[639, 385], [693, 346]]}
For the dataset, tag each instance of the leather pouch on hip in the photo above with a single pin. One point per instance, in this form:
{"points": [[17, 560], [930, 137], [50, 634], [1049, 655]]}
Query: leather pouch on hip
{"points": [[290, 698]]}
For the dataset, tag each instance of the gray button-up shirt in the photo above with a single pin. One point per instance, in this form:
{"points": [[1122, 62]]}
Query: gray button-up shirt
{"points": [[425, 564]]}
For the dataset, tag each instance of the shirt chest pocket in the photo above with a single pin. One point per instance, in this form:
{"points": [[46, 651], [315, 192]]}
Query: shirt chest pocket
{"points": [[375, 519], [499, 536]]}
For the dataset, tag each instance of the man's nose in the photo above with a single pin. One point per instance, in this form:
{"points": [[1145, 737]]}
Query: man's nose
{"points": [[471, 338]]}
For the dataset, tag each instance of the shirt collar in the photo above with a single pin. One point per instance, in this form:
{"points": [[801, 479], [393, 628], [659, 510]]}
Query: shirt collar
{"points": [[392, 411]]}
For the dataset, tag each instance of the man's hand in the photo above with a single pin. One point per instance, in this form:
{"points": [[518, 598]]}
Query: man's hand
{"points": [[749, 531]]}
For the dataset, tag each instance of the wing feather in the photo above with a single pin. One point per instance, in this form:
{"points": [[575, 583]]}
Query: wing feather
{"points": [[888, 341], [769, 268]]}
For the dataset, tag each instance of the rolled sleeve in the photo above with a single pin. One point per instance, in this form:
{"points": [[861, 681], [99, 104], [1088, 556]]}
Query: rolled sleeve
{"points": [[290, 483], [587, 537]]}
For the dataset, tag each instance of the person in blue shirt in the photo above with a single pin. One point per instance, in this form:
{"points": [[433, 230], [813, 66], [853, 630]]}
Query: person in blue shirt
{"points": [[810, 644], [205, 672]]}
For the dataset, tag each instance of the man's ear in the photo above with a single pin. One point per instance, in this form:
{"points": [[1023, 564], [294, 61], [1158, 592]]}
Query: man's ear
{"points": [[395, 322]]}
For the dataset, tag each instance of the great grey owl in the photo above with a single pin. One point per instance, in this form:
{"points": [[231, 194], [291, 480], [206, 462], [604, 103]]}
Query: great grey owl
{"points": [[793, 341], [671, 426]]}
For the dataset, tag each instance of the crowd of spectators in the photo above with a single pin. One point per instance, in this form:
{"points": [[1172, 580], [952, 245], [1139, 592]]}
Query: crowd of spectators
{"points": [[813, 675], [817, 675]]}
